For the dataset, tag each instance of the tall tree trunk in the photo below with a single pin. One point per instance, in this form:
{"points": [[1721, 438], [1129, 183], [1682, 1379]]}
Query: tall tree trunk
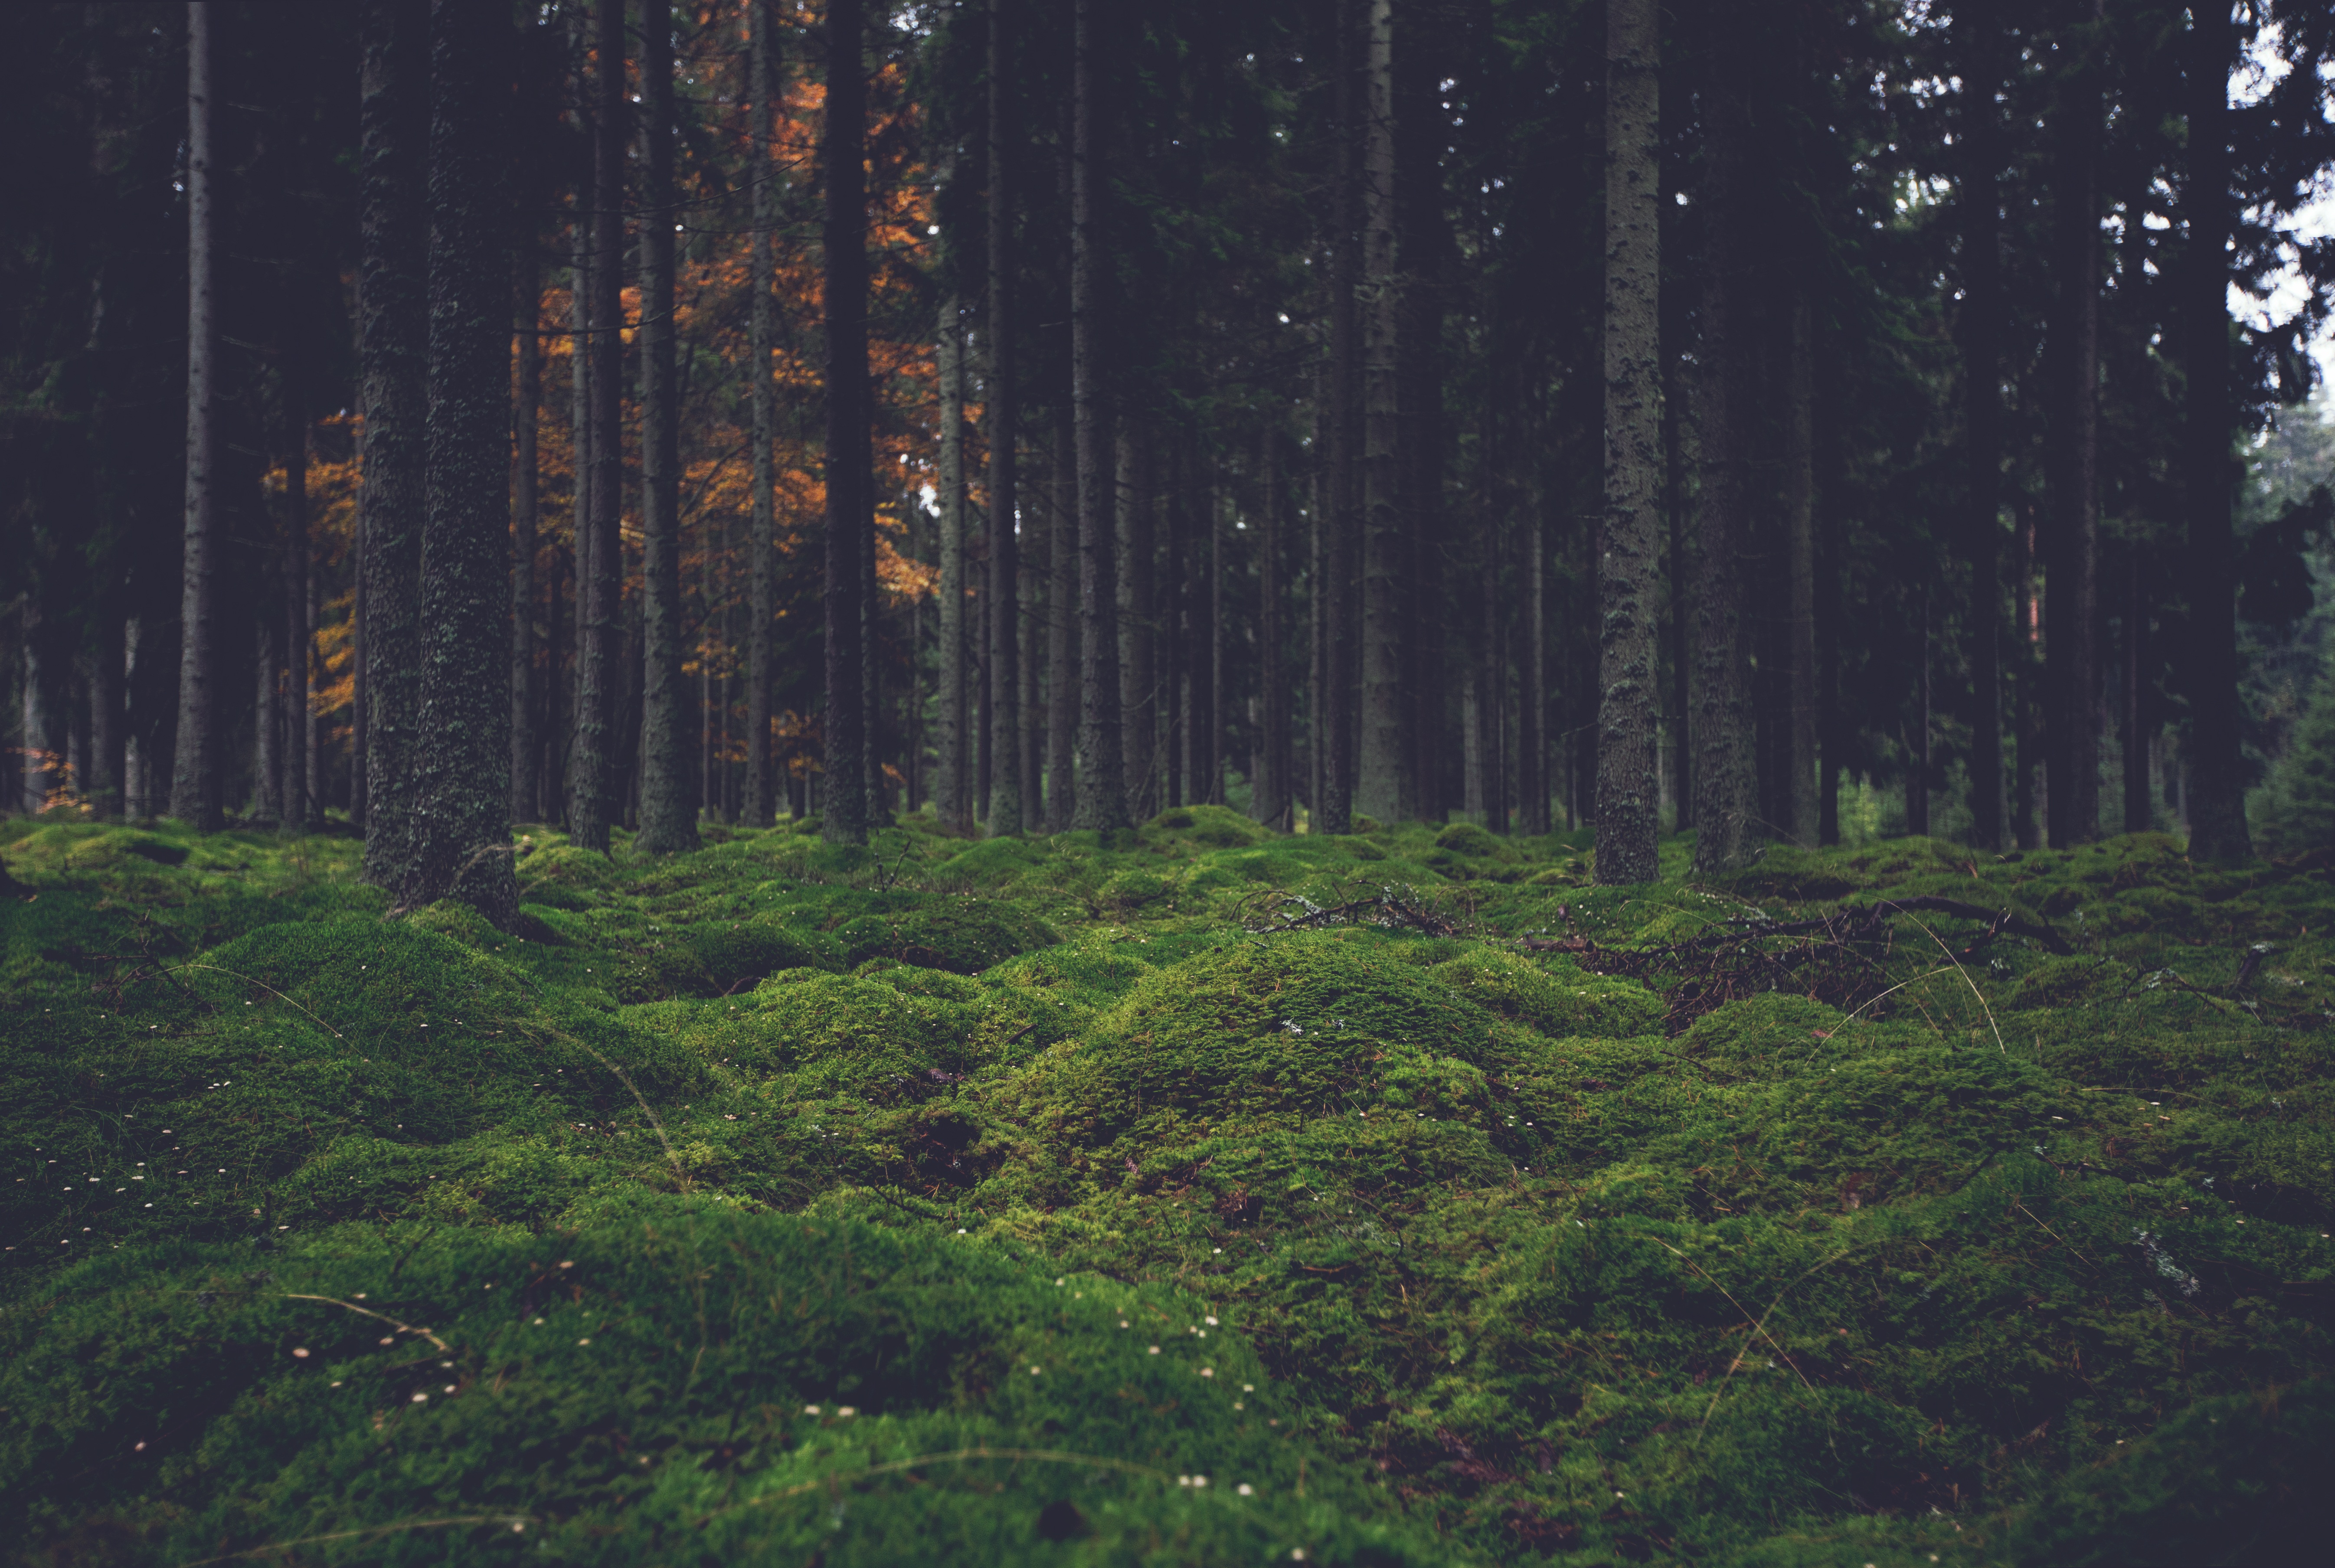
{"points": [[1317, 617], [952, 799], [2138, 816], [1982, 76], [594, 784], [579, 429], [1138, 708], [1216, 630], [668, 813], [1344, 526], [1269, 774], [1801, 758], [1173, 659], [527, 401], [461, 827], [302, 809], [1383, 767], [1721, 718], [1682, 623], [761, 550], [1062, 577], [1532, 666], [1629, 791], [2072, 578], [194, 784], [266, 730], [1917, 770], [392, 348], [1005, 773], [2217, 807], [1101, 778], [844, 797]]}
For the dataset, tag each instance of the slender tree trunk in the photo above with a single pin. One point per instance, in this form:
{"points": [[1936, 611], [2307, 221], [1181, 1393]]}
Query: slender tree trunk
{"points": [[594, 780], [1681, 614], [1269, 775], [1061, 579], [1721, 718], [1101, 777], [266, 731], [1341, 582], [1982, 418], [844, 799], [1217, 623], [2138, 817], [1173, 661], [1317, 607], [2072, 577], [1384, 765], [391, 350], [761, 569], [1138, 709], [1532, 696], [668, 814], [302, 809], [582, 470], [195, 786], [1004, 722], [1917, 771], [525, 506], [2217, 810], [952, 798], [1628, 795], [1801, 759]]}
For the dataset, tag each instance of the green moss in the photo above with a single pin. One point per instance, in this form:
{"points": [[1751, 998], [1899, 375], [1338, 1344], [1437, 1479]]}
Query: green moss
{"points": [[1557, 999], [959, 936]]}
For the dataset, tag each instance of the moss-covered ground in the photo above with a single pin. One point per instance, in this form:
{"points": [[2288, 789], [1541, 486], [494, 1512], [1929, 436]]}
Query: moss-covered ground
{"points": [[1200, 1197]]}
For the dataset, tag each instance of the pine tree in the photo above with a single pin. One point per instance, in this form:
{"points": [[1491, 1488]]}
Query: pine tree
{"points": [[843, 795], [195, 783]]}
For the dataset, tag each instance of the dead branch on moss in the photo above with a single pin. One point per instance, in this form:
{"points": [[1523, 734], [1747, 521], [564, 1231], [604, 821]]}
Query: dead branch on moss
{"points": [[1397, 908]]}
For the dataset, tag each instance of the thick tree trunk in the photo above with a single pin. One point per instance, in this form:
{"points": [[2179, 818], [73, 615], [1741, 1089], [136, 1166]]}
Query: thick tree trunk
{"points": [[1333, 812], [462, 825], [526, 400], [2217, 807], [2072, 577], [1061, 620], [1383, 772], [761, 550], [1138, 708], [668, 813], [1721, 718], [844, 795], [303, 807], [594, 783], [194, 784], [1629, 791], [952, 800], [1800, 759], [1003, 686], [1982, 74], [1101, 778], [392, 349]]}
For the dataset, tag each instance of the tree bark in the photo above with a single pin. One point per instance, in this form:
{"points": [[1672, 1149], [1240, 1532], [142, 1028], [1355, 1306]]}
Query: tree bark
{"points": [[461, 825], [844, 795], [1004, 613], [1343, 525], [2138, 816], [668, 813], [302, 809], [951, 797], [527, 401], [1269, 780], [1917, 771], [593, 780], [1101, 804], [1138, 708], [194, 784], [1532, 696], [1061, 620], [1629, 794], [1680, 626], [2217, 812], [2072, 577], [762, 568], [1383, 770], [1801, 759], [1983, 77], [391, 350]]}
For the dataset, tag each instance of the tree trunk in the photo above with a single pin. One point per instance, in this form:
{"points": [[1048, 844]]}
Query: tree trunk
{"points": [[1681, 627], [1269, 779], [594, 782], [2072, 578], [525, 506], [392, 348], [1532, 696], [1917, 769], [266, 731], [1800, 565], [1343, 525], [1138, 708], [1005, 807], [2138, 817], [952, 800], [1383, 767], [303, 806], [844, 797], [581, 468], [1982, 75], [195, 785], [1629, 797], [1101, 804], [1721, 718], [761, 552], [1172, 644], [2217, 793], [1061, 619]]}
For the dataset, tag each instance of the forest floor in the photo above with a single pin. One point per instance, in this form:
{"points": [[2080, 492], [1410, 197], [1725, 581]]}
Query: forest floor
{"points": [[1204, 1197]]}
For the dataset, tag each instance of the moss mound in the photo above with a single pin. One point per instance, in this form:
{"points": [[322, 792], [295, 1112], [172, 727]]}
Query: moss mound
{"points": [[959, 936]]}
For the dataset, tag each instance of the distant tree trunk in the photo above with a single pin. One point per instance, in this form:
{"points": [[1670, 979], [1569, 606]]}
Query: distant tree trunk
{"points": [[594, 780], [1101, 779], [195, 786], [844, 797], [1532, 696], [1721, 718], [583, 471], [303, 809], [1214, 730], [1982, 75], [391, 348], [1629, 793], [1004, 613], [1173, 659], [266, 730], [2217, 807], [1800, 568], [2139, 814], [1317, 607], [1269, 779], [1138, 708], [952, 798], [1384, 763], [1343, 525], [1917, 771], [761, 569], [2072, 577], [1682, 624], [1061, 579], [462, 824], [873, 716], [525, 506]]}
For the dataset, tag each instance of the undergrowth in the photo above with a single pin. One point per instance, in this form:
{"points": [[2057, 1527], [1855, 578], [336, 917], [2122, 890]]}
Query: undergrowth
{"points": [[1199, 1195]]}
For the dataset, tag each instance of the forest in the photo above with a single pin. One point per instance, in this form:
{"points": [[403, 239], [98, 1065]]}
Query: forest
{"points": [[1594, 743]]}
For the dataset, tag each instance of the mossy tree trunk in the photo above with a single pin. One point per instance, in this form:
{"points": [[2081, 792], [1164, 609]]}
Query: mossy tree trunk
{"points": [[1629, 799], [462, 824], [391, 351], [843, 796], [1383, 767]]}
